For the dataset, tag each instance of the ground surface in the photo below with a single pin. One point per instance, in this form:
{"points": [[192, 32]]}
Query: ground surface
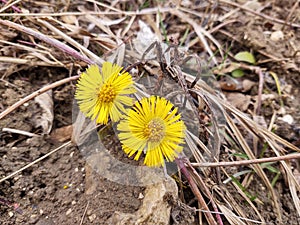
{"points": [[60, 188]]}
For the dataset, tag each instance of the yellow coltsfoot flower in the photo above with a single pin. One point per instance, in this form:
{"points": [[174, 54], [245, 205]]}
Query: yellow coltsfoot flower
{"points": [[154, 127], [101, 95]]}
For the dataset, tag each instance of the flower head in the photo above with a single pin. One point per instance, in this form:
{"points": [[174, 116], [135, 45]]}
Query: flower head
{"points": [[154, 127], [103, 94]]}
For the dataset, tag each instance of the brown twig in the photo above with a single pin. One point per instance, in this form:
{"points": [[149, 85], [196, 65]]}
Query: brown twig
{"points": [[201, 33], [248, 162], [147, 11], [36, 93], [61, 46], [195, 190], [207, 192], [272, 19], [291, 13], [225, 23]]}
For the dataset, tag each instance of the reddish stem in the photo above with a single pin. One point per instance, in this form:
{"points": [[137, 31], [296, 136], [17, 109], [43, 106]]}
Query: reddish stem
{"points": [[208, 215], [15, 8], [55, 43]]}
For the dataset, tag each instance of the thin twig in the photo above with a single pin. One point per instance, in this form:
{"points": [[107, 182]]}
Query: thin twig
{"points": [[248, 162], [206, 191], [291, 13], [147, 11], [36, 93], [200, 31], [35, 161], [11, 5], [61, 46], [82, 218], [195, 190], [239, 217], [92, 57], [22, 132], [225, 23], [272, 19]]}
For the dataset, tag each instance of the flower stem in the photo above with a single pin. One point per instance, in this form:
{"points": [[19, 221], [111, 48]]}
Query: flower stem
{"points": [[208, 215], [205, 189]]}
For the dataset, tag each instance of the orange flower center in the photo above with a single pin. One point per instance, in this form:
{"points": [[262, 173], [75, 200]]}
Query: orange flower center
{"points": [[155, 130], [107, 93]]}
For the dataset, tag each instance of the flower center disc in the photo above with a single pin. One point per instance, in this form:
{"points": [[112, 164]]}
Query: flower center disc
{"points": [[107, 93], [155, 130]]}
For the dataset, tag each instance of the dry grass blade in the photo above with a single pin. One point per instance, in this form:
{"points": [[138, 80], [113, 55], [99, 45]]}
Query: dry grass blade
{"points": [[16, 131], [197, 193], [230, 216], [257, 168], [242, 193], [251, 126], [146, 11], [9, 5], [31, 50], [30, 62], [255, 128], [229, 200], [200, 32], [90, 54], [293, 184], [234, 219], [259, 14], [248, 162], [48, 40], [294, 193]]}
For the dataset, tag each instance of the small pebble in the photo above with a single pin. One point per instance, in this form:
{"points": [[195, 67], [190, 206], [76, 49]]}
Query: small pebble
{"points": [[10, 214], [33, 219], [287, 118], [89, 212], [277, 36], [92, 217], [68, 212], [141, 196]]}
